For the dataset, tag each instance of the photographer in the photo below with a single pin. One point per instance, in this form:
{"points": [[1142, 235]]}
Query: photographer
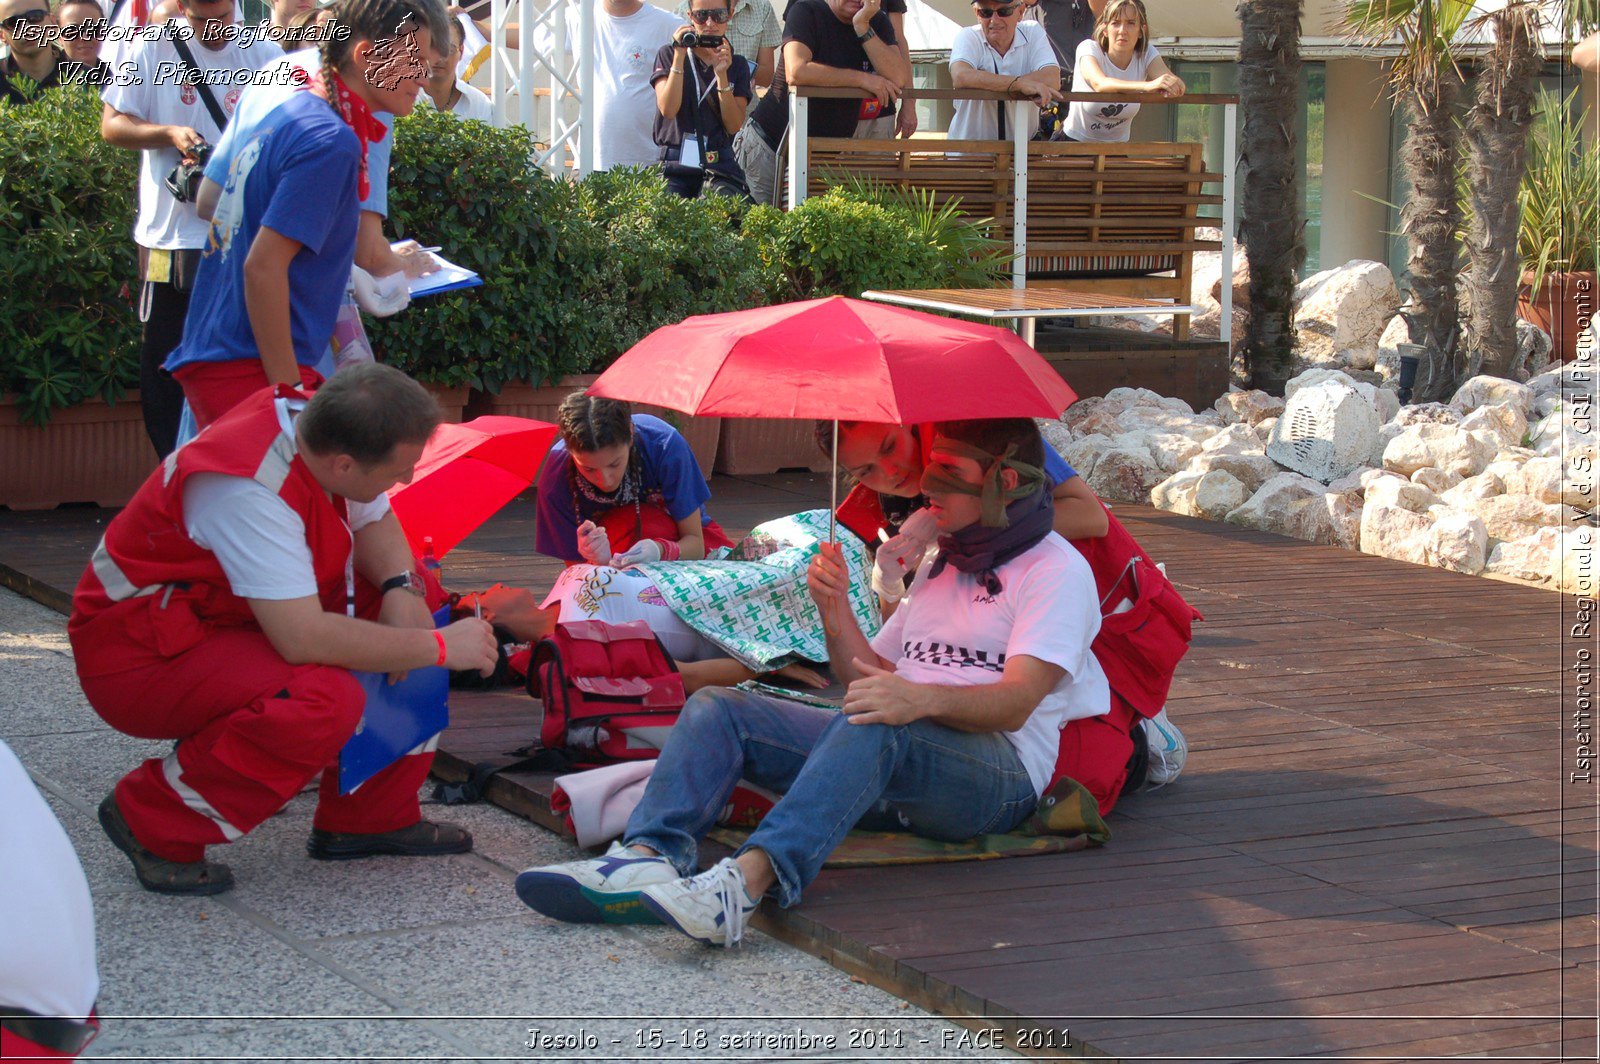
{"points": [[702, 93], [173, 123]]}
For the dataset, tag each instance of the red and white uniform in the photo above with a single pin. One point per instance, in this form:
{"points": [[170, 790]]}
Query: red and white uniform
{"points": [[166, 650]]}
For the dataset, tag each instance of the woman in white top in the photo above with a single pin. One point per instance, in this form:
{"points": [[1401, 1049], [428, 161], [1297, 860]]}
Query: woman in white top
{"points": [[1118, 58]]}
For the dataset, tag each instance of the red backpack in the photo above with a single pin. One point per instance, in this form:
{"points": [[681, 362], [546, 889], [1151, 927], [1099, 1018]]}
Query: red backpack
{"points": [[610, 691]]}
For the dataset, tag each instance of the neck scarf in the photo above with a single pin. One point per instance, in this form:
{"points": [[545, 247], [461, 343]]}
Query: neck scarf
{"points": [[358, 116], [980, 550], [629, 492]]}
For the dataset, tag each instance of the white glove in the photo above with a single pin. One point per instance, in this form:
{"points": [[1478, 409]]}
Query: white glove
{"points": [[900, 555], [594, 544], [641, 553], [380, 296]]}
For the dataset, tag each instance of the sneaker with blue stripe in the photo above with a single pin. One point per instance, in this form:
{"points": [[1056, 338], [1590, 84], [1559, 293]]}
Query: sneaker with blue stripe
{"points": [[711, 907], [601, 890]]}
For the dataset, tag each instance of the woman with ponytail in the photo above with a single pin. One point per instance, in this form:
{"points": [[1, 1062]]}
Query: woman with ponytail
{"points": [[283, 233], [621, 488]]}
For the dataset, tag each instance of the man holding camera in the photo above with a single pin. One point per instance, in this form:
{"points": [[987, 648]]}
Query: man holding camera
{"points": [[702, 92], [181, 89]]}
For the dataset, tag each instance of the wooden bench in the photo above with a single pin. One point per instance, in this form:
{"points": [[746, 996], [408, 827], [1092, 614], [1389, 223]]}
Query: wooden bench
{"points": [[1103, 218]]}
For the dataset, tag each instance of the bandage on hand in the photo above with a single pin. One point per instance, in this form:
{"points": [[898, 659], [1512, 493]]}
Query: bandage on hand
{"points": [[594, 545], [646, 551]]}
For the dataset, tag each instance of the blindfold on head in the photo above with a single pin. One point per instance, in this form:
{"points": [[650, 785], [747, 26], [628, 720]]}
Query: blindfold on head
{"points": [[1030, 478]]}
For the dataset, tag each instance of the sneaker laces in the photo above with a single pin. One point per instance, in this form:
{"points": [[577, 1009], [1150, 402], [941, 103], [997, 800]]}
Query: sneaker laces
{"points": [[727, 880]]}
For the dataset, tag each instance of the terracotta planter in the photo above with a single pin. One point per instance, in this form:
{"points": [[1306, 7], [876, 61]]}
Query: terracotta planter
{"points": [[1564, 308], [757, 445], [452, 401], [541, 404], [90, 453]]}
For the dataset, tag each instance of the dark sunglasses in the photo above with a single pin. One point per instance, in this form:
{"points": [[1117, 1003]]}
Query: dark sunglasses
{"points": [[719, 17], [1004, 11], [37, 16]]}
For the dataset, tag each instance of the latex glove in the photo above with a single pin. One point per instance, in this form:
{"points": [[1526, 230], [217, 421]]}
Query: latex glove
{"points": [[900, 555], [889, 575], [594, 545], [380, 296], [641, 553]]}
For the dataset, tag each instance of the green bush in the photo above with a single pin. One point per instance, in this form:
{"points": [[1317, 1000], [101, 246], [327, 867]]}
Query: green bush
{"points": [[67, 202], [862, 235], [653, 258], [474, 191]]}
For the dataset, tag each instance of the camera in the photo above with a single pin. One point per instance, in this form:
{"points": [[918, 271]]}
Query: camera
{"points": [[691, 39], [184, 179]]}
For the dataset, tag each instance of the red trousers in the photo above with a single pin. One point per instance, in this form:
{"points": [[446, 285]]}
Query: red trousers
{"points": [[252, 730], [1095, 752], [214, 388]]}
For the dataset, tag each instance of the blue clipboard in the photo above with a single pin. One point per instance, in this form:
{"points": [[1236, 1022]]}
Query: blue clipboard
{"points": [[397, 718]]}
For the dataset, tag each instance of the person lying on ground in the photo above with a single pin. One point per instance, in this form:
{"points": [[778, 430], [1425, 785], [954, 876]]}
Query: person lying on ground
{"points": [[222, 608], [621, 488], [953, 713]]}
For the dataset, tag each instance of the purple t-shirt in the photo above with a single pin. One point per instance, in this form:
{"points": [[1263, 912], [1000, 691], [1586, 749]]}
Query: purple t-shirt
{"points": [[294, 173]]}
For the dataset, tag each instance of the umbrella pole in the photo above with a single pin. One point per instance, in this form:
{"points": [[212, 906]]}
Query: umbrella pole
{"points": [[832, 625]]}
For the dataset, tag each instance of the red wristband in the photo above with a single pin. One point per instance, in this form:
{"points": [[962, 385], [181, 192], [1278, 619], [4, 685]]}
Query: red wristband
{"points": [[440, 637], [670, 551]]}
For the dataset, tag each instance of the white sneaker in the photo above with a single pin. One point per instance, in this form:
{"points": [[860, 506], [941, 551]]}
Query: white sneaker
{"points": [[601, 890], [710, 907]]}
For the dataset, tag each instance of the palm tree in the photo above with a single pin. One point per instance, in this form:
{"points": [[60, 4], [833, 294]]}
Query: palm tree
{"points": [[1505, 91], [1273, 225], [1428, 83]]}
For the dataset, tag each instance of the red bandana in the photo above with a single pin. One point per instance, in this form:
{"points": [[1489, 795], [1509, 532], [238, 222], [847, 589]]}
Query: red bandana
{"points": [[361, 121]]}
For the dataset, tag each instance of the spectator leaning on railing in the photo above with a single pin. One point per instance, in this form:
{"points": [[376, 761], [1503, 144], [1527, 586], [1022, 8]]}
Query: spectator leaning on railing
{"points": [[1118, 58], [753, 32], [702, 94], [844, 43], [1001, 53], [153, 107], [27, 31]]}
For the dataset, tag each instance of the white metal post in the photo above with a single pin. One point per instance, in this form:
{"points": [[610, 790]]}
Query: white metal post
{"points": [[1020, 135], [499, 75], [526, 58], [1230, 165], [798, 167], [586, 115], [559, 50]]}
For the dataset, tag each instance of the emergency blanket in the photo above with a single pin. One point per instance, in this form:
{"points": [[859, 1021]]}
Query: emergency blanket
{"points": [[754, 604]]}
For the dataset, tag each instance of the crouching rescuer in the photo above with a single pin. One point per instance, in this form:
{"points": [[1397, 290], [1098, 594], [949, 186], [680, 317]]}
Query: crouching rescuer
{"points": [[225, 608]]}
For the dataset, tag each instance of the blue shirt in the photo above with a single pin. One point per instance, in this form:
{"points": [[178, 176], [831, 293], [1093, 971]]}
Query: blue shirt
{"points": [[295, 173], [671, 478]]}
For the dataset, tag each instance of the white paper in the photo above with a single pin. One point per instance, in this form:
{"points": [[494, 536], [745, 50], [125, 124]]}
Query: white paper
{"points": [[690, 154]]}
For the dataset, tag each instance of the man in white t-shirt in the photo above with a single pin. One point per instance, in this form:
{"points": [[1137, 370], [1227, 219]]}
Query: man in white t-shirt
{"points": [[152, 107], [627, 36], [445, 90], [952, 717], [222, 609], [1002, 53]]}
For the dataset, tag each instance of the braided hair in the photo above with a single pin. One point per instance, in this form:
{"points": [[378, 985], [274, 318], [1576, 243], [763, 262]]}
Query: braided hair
{"points": [[375, 20]]}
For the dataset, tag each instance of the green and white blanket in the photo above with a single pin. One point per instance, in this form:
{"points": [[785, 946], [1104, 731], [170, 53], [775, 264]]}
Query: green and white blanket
{"points": [[754, 603]]}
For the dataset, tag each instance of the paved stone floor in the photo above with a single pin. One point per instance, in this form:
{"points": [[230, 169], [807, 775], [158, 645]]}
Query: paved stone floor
{"points": [[394, 958]]}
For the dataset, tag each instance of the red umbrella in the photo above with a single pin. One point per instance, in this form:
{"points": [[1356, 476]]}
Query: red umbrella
{"points": [[837, 358], [467, 473]]}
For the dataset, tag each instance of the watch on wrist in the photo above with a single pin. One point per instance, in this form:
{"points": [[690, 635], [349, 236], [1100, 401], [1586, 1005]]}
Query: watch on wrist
{"points": [[866, 35], [406, 581]]}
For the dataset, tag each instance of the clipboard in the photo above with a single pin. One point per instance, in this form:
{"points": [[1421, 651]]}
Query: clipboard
{"points": [[398, 718]]}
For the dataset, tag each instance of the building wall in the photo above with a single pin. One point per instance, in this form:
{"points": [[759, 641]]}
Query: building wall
{"points": [[1355, 160]]}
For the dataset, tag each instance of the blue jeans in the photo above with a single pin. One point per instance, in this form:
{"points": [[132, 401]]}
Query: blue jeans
{"points": [[945, 784]]}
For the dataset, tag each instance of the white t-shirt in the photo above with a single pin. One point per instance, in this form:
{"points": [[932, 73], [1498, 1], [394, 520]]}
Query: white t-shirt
{"points": [[625, 54], [258, 539], [951, 632], [471, 104], [151, 92], [1107, 123], [616, 596], [47, 959], [1030, 51]]}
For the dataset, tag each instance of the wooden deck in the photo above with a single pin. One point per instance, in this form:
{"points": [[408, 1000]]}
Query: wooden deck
{"points": [[1375, 852]]}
